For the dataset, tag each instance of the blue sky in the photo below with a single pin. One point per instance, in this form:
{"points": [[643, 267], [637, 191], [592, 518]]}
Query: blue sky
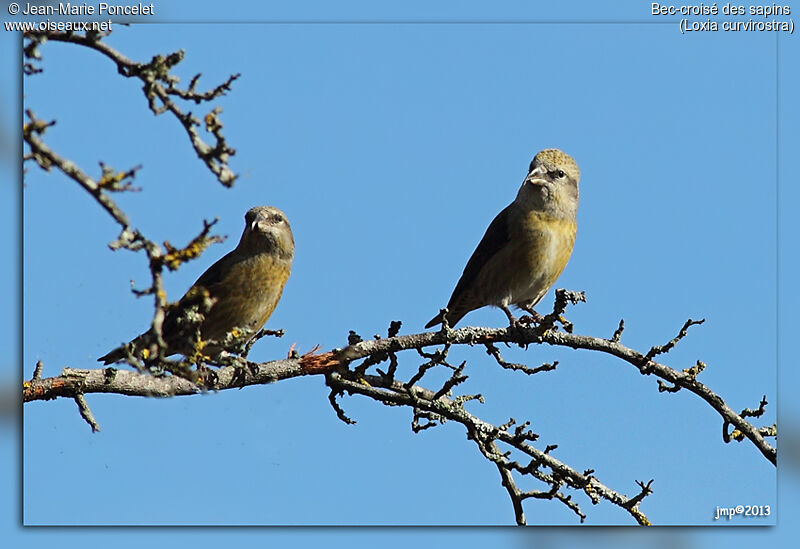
{"points": [[390, 145]]}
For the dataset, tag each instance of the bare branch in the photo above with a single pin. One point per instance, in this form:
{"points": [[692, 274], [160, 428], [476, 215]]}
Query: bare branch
{"points": [[660, 349], [749, 412], [37, 372], [263, 332], [175, 256], [129, 238], [618, 332], [486, 436], [47, 158], [509, 446], [491, 349], [159, 88], [738, 435], [370, 349], [86, 413]]}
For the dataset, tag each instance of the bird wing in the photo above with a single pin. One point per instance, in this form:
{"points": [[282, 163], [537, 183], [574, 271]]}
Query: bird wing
{"points": [[215, 275], [494, 240], [245, 289], [212, 280]]}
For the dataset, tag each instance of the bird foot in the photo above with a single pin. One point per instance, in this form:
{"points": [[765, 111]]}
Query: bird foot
{"points": [[527, 321], [533, 317]]}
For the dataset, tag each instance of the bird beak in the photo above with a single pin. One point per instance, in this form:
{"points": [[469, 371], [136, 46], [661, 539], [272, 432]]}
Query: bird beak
{"points": [[260, 224], [535, 177]]}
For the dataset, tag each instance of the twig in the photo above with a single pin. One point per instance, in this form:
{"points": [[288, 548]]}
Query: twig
{"points": [[341, 358], [492, 349], [660, 349], [86, 413], [485, 434], [159, 88]]}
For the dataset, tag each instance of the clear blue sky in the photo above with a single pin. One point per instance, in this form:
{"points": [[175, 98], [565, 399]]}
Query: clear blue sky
{"points": [[390, 145]]}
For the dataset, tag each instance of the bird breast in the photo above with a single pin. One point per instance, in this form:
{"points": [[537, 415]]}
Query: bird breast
{"points": [[252, 290], [545, 245]]}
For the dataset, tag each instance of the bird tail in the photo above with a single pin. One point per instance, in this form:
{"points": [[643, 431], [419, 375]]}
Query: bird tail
{"points": [[434, 321], [452, 319], [114, 356], [121, 352]]}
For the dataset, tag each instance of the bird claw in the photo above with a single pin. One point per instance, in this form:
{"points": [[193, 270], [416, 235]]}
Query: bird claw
{"points": [[527, 321], [533, 317]]}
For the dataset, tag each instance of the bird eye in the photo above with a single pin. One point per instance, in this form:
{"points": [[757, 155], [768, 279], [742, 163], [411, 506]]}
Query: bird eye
{"points": [[560, 174]]}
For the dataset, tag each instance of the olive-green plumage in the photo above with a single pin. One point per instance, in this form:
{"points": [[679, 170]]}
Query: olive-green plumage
{"points": [[527, 245], [244, 287]]}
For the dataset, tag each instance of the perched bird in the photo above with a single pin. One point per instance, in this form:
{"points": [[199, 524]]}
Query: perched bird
{"points": [[242, 289], [526, 246]]}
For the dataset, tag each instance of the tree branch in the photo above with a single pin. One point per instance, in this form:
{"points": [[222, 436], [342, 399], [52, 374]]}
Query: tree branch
{"points": [[486, 436], [378, 350], [159, 88], [509, 446], [129, 238]]}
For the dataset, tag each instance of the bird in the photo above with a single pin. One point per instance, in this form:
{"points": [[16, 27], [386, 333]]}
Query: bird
{"points": [[242, 289], [526, 246]]}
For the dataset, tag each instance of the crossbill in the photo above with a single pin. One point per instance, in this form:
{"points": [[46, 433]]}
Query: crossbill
{"points": [[240, 290], [527, 245]]}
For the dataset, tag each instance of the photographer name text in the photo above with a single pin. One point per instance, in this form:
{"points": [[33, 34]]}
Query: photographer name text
{"points": [[102, 8]]}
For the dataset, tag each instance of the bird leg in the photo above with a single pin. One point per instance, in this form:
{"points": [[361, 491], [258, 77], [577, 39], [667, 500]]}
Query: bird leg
{"points": [[528, 308], [512, 320]]}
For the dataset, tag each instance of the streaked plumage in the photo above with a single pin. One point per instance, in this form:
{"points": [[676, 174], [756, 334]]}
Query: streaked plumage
{"points": [[244, 287], [527, 245]]}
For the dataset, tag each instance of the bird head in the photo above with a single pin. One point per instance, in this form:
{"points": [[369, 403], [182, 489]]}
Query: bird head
{"points": [[551, 184], [267, 229]]}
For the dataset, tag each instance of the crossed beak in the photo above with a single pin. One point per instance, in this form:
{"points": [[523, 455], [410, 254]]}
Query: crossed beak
{"points": [[259, 223], [535, 177]]}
